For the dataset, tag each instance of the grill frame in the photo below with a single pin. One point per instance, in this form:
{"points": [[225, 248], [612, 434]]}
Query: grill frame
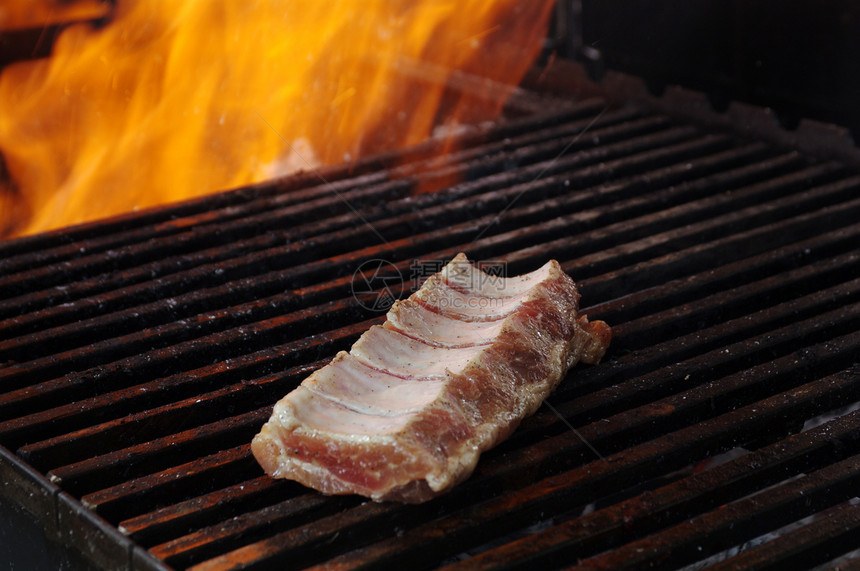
{"points": [[609, 233]]}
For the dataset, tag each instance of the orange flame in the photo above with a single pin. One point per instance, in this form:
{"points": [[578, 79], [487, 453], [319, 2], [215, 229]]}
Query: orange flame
{"points": [[175, 99], [22, 14]]}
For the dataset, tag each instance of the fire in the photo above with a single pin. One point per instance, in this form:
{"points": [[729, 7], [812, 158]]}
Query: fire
{"points": [[24, 14], [176, 99]]}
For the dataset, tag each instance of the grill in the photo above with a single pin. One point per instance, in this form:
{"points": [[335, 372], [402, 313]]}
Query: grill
{"points": [[139, 355]]}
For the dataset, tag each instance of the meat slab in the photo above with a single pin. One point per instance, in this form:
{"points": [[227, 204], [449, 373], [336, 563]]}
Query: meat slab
{"points": [[405, 414]]}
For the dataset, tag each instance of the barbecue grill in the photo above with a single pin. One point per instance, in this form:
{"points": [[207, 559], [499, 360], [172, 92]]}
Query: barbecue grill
{"points": [[140, 354]]}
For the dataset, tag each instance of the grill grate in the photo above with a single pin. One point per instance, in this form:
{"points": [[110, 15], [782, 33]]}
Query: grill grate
{"points": [[140, 355]]}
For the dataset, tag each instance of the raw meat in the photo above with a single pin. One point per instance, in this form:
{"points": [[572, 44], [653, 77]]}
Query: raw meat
{"points": [[405, 414]]}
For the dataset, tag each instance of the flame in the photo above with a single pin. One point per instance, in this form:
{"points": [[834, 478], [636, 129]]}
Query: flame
{"points": [[23, 14], [176, 99]]}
